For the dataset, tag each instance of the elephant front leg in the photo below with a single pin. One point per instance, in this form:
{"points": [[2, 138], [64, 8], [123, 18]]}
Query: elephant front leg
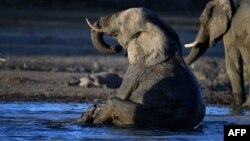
{"points": [[130, 81], [234, 65]]}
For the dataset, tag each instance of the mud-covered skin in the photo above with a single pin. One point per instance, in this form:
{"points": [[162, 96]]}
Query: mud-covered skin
{"points": [[228, 20], [158, 89]]}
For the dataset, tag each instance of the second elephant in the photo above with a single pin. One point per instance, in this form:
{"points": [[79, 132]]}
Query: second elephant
{"points": [[228, 20]]}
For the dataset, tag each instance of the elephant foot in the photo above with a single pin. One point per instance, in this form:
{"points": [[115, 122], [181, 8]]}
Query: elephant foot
{"points": [[88, 116], [105, 114], [247, 104], [103, 118], [95, 115], [238, 100]]}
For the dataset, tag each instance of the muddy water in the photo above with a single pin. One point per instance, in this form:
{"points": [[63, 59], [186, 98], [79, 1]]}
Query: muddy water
{"points": [[25, 121]]}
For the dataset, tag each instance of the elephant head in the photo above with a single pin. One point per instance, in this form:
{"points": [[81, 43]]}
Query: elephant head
{"points": [[140, 32], [215, 21]]}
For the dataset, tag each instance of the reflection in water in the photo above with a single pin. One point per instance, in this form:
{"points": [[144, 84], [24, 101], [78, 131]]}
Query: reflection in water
{"points": [[24, 121]]}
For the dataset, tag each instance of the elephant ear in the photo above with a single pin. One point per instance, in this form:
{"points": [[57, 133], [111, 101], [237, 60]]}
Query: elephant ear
{"points": [[216, 17], [153, 41], [161, 42], [148, 48]]}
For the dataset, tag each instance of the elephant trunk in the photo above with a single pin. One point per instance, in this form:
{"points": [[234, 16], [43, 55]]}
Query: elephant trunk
{"points": [[199, 46], [98, 41], [195, 53]]}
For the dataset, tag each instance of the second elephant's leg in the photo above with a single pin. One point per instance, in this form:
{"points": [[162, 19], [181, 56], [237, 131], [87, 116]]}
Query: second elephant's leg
{"points": [[234, 65], [245, 55], [247, 103]]}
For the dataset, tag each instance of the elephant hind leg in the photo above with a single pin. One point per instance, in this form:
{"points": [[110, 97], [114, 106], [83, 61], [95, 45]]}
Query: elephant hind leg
{"points": [[127, 113], [234, 65], [116, 111]]}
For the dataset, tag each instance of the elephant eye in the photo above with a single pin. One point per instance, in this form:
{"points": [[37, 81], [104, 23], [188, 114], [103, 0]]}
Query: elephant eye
{"points": [[137, 34], [115, 34]]}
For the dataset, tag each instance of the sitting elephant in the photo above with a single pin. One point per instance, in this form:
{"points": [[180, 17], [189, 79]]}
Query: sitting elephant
{"points": [[230, 20], [158, 89]]}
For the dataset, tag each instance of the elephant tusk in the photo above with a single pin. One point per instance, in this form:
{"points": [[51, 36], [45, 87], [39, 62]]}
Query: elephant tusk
{"points": [[193, 44], [93, 27], [2, 60]]}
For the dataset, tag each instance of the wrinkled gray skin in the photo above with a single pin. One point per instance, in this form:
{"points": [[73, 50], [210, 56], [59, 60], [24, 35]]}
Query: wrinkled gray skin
{"points": [[228, 20], [158, 89]]}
